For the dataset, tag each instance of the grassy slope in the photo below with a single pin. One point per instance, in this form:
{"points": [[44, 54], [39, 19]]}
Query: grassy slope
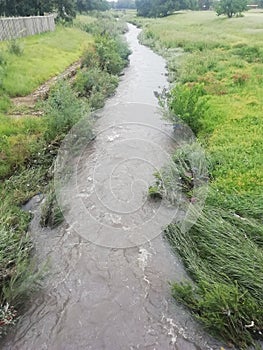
{"points": [[44, 56], [29, 144], [223, 251], [24, 153]]}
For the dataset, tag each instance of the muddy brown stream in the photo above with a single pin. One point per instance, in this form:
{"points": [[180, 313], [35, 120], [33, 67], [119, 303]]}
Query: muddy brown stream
{"points": [[109, 266]]}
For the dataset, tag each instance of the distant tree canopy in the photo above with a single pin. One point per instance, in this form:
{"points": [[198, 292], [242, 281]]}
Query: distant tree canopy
{"points": [[90, 5], [66, 9], [162, 8], [231, 7]]}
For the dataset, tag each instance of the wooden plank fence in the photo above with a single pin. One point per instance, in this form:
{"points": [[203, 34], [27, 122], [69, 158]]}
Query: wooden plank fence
{"points": [[16, 27]]}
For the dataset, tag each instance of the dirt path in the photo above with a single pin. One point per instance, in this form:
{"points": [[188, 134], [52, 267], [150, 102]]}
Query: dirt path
{"points": [[25, 105]]}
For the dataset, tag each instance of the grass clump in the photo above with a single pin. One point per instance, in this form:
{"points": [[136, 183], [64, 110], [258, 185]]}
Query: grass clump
{"points": [[51, 214], [19, 273], [227, 266], [15, 47]]}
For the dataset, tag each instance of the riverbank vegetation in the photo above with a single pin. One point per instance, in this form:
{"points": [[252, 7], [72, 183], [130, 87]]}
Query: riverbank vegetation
{"points": [[31, 135], [218, 92]]}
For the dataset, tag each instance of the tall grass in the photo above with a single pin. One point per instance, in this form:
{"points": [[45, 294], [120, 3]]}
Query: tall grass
{"points": [[223, 250]]}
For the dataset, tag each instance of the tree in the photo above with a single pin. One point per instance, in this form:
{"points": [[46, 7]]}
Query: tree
{"points": [[231, 7], [64, 8], [90, 5], [161, 8]]}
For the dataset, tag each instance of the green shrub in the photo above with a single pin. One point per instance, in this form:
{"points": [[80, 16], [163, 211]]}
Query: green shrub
{"points": [[63, 109], [109, 57], [92, 81], [187, 103], [90, 59], [105, 23]]}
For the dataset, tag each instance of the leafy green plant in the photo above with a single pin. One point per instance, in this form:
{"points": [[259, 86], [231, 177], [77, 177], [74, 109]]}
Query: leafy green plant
{"points": [[109, 51], [187, 103], [89, 82]]}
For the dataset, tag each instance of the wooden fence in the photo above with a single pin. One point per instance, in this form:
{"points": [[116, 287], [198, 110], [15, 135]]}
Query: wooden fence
{"points": [[16, 27]]}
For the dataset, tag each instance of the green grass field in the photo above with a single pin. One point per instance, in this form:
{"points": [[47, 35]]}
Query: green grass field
{"points": [[223, 250], [43, 56]]}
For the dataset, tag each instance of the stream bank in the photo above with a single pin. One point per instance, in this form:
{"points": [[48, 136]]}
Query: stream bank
{"points": [[99, 295]]}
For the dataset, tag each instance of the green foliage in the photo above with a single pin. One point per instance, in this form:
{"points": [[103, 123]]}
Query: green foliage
{"points": [[184, 175], [64, 8], [92, 5], [103, 23], [249, 53], [187, 103], [5, 102], [18, 271], [112, 54], [96, 85], [2, 70], [123, 4], [111, 51], [63, 109], [155, 191], [18, 139], [231, 7], [160, 8]]}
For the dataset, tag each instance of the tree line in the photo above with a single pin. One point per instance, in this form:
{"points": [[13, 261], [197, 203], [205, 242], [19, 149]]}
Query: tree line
{"points": [[162, 8], [66, 9]]}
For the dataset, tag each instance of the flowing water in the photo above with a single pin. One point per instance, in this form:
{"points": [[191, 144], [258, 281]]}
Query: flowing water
{"points": [[109, 267]]}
